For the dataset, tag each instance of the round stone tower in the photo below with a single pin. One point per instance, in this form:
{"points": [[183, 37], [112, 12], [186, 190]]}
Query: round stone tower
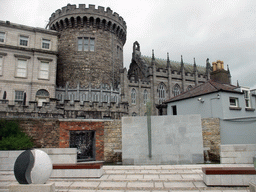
{"points": [[90, 45]]}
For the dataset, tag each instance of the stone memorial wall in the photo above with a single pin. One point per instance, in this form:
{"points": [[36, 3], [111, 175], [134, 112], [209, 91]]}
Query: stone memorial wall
{"points": [[174, 139]]}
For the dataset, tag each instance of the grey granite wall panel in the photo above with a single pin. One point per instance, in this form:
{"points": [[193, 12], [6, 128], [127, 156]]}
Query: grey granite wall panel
{"points": [[175, 140]]}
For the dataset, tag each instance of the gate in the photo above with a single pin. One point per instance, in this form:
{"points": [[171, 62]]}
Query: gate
{"points": [[84, 141]]}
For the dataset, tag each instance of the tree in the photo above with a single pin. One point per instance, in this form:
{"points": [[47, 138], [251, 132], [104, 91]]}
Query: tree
{"points": [[12, 138]]}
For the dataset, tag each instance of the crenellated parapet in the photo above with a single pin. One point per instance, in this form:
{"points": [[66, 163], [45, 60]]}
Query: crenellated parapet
{"points": [[71, 16], [56, 109]]}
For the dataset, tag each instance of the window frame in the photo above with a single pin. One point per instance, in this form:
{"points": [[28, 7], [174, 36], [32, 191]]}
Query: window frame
{"points": [[18, 69], [176, 90], [145, 97], [84, 44], [1, 65], [2, 37], [40, 76], [236, 103], [46, 41], [161, 93], [21, 95], [247, 98], [22, 39], [133, 96]]}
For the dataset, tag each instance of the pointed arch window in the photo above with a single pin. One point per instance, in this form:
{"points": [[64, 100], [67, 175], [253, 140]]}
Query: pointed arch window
{"points": [[133, 96], [161, 93], [176, 90]]}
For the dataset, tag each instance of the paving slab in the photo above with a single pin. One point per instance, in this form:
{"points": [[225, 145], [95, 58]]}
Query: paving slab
{"points": [[84, 184], [112, 185], [140, 185], [179, 184], [165, 178]]}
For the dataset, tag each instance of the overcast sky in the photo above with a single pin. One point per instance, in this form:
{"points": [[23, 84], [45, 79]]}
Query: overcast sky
{"points": [[219, 30]]}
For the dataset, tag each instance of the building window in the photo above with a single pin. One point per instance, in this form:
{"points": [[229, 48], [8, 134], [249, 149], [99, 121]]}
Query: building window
{"points": [[23, 40], [161, 93], [134, 114], [44, 70], [46, 43], [174, 110], [21, 70], [86, 44], [145, 96], [133, 96], [2, 37], [176, 90], [1, 65], [247, 98], [233, 102], [19, 95]]}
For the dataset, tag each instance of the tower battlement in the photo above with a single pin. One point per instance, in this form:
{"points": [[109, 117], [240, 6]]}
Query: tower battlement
{"points": [[72, 16]]}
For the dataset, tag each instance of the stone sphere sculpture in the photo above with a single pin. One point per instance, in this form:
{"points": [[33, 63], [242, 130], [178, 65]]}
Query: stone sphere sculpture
{"points": [[33, 167]]}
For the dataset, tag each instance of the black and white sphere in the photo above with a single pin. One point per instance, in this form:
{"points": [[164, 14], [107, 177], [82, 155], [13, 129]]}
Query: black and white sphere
{"points": [[33, 167]]}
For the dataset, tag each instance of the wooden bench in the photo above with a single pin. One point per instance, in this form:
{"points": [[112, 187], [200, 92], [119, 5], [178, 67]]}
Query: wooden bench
{"points": [[78, 170], [228, 176]]}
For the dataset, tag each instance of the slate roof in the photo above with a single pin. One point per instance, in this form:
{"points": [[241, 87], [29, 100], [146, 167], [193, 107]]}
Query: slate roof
{"points": [[203, 89], [161, 63]]}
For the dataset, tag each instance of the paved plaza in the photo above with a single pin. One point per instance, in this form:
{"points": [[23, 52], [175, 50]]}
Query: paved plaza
{"points": [[155, 178]]}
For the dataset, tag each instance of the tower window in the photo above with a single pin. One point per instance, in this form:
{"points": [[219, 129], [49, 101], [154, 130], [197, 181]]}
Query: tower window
{"points": [[86, 44]]}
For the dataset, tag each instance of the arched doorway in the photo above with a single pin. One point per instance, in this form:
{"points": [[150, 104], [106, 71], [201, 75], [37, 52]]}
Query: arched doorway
{"points": [[42, 95]]}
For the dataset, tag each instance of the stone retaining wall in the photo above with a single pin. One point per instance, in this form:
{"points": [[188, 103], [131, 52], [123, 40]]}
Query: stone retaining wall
{"points": [[112, 140], [46, 134], [237, 154], [211, 137]]}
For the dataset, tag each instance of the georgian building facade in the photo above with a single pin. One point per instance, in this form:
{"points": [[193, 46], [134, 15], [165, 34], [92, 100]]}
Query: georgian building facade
{"points": [[28, 61]]}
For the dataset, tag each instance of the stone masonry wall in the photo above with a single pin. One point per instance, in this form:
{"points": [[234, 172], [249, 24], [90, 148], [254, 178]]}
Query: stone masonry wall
{"points": [[112, 140], [46, 134], [211, 137]]}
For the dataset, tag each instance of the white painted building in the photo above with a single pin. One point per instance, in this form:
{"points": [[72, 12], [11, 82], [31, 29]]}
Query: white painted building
{"points": [[28, 61], [233, 105]]}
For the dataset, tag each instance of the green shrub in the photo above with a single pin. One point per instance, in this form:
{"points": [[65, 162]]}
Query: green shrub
{"points": [[12, 138]]}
